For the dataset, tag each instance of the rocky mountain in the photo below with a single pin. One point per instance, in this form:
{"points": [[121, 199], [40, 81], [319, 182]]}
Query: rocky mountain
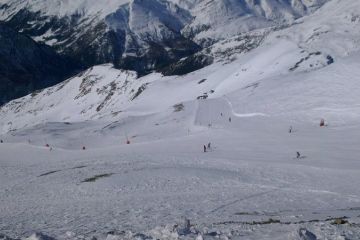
{"points": [[144, 35], [298, 67], [26, 65]]}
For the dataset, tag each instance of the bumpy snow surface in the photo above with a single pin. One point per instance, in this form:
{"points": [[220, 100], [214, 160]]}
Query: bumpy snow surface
{"points": [[67, 171]]}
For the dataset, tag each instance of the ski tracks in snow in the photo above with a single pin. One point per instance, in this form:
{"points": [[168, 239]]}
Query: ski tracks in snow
{"points": [[243, 115]]}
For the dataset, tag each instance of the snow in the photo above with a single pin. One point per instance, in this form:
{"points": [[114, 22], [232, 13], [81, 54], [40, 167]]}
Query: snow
{"points": [[249, 185], [251, 175]]}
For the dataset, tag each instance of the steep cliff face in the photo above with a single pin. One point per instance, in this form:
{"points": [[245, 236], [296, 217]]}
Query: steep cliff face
{"points": [[26, 66]]}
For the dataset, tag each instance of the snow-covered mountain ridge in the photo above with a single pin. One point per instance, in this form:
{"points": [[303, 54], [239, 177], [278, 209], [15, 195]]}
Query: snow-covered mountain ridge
{"points": [[244, 67], [143, 35]]}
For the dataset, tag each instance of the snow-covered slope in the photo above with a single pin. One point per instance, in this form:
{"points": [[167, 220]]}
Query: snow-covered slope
{"points": [[334, 29], [250, 186], [221, 19], [125, 156]]}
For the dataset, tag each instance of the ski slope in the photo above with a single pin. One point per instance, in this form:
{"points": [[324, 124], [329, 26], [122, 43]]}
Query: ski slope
{"points": [[251, 174], [249, 185]]}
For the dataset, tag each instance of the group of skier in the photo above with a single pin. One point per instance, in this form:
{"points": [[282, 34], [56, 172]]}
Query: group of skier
{"points": [[207, 147]]}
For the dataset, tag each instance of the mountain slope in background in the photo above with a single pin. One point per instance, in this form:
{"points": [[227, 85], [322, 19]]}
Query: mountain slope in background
{"points": [[26, 66], [278, 60], [143, 35]]}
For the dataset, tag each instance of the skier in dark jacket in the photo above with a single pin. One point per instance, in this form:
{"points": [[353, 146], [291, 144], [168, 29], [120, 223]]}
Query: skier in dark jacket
{"points": [[204, 148], [298, 155], [322, 123]]}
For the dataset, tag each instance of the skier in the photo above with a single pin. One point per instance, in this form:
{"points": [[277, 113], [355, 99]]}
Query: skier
{"points": [[209, 146], [298, 155], [221, 114], [322, 123], [83, 148], [1, 141], [204, 148], [229, 119], [290, 129]]}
